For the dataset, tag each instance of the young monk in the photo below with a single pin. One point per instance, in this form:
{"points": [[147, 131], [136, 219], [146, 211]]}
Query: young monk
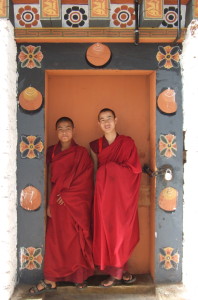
{"points": [[68, 248], [116, 228]]}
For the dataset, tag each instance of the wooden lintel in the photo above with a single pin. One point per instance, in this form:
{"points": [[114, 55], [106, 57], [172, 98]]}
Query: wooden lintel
{"points": [[91, 35]]}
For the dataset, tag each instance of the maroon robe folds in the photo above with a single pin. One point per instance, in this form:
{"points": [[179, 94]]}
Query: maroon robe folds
{"points": [[68, 251], [116, 227]]}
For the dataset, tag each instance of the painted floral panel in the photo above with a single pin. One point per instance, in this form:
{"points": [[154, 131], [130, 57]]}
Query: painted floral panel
{"points": [[31, 146], [169, 258], [75, 16], [27, 16], [167, 145], [122, 16], [170, 19], [168, 57], [30, 56], [31, 258]]}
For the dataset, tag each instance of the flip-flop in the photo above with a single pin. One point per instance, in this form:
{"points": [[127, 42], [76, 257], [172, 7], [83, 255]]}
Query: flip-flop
{"points": [[82, 285], [129, 281], [110, 278], [47, 287]]}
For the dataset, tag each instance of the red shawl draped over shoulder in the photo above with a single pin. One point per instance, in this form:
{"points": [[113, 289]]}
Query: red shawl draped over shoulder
{"points": [[68, 251], [116, 228]]}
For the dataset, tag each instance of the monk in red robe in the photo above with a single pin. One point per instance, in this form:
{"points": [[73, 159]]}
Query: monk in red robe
{"points": [[117, 182], [68, 247]]}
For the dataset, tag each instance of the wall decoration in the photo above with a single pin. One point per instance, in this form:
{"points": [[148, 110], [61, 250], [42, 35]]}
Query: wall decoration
{"points": [[170, 19], [30, 198], [168, 57], [31, 258], [75, 16], [122, 16], [168, 199], [27, 16], [99, 9], [169, 258], [98, 54], [30, 99], [31, 146], [30, 56], [167, 145], [166, 101]]}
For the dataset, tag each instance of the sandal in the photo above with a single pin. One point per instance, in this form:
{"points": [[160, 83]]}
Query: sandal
{"points": [[112, 279], [82, 285], [130, 280], [47, 287]]}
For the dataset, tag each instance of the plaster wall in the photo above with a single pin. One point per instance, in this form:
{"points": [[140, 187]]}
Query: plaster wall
{"points": [[189, 61], [8, 134]]}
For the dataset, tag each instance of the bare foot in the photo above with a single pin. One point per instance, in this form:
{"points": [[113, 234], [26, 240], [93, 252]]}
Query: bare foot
{"points": [[110, 281]]}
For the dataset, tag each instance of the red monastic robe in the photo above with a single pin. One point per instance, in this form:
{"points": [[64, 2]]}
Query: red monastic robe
{"points": [[68, 251], [116, 227]]}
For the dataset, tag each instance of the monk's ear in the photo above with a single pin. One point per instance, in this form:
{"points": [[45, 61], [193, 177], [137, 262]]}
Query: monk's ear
{"points": [[116, 120]]}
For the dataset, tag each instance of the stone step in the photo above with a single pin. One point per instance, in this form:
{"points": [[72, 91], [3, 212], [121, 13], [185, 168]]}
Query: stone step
{"points": [[143, 288]]}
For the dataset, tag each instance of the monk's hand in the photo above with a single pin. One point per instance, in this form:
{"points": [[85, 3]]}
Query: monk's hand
{"points": [[48, 211], [60, 200]]}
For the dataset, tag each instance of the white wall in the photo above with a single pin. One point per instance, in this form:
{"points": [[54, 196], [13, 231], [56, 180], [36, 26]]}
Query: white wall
{"points": [[8, 140], [189, 62]]}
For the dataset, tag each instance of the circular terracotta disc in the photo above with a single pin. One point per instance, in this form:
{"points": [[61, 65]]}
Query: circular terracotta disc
{"points": [[30, 198], [98, 54], [166, 101], [168, 199], [30, 99]]}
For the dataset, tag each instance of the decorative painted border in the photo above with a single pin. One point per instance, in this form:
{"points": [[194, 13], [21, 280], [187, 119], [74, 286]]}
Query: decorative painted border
{"points": [[62, 35]]}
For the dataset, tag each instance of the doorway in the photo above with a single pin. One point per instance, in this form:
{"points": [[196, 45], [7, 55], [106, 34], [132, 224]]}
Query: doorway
{"points": [[80, 95]]}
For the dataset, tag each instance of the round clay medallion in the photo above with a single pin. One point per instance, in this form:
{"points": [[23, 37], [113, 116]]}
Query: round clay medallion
{"points": [[30, 198], [98, 54], [30, 99], [166, 101], [168, 199]]}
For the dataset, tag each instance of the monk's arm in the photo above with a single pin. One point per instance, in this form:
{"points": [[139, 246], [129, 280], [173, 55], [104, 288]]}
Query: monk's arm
{"points": [[95, 161], [48, 189]]}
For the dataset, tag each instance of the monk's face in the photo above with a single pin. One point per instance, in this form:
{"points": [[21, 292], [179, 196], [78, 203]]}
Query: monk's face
{"points": [[107, 122], [65, 131]]}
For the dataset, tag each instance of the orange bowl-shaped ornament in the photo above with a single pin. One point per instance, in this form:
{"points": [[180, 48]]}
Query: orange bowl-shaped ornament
{"points": [[98, 54], [30, 99], [166, 101], [168, 199], [30, 198]]}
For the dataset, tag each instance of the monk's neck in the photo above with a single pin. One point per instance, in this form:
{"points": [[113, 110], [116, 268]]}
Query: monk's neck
{"points": [[110, 137], [65, 146]]}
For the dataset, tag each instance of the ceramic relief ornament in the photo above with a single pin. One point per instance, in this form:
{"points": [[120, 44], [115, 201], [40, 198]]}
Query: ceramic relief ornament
{"points": [[31, 258], [98, 54], [167, 145], [30, 56], [168, 199], [169, 258], [30, 198], [166, 101], [30, 99], [31, 146], [168, 57]]}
